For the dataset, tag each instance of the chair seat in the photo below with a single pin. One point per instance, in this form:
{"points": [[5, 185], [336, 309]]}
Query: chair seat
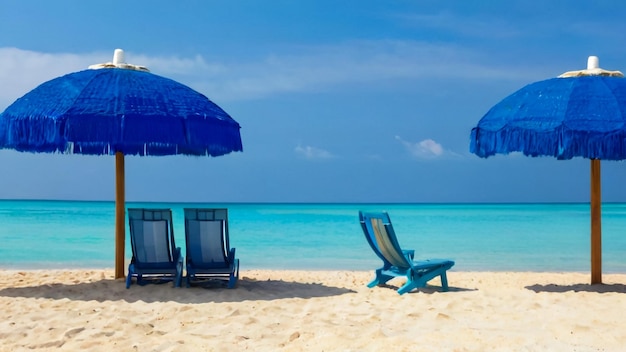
{"points": [[209, 270], [430, 263]]}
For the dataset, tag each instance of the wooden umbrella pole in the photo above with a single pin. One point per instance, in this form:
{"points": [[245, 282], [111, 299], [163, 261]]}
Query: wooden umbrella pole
{"points": [[120, 215], [596, 223]]}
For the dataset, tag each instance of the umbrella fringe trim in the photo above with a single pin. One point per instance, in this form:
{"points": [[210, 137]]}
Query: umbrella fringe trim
{"points": [[566, 145]]}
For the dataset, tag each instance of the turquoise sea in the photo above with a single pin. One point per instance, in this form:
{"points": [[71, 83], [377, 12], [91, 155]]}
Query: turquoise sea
{"points": [[494, 237]]}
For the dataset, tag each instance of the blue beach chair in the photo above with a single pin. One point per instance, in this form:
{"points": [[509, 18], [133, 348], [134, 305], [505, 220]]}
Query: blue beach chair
{"points": [[209, 256], [397, 262], [155, 255]]}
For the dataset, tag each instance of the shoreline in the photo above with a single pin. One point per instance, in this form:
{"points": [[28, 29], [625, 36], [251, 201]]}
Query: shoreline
{"points": [[311, 310]]}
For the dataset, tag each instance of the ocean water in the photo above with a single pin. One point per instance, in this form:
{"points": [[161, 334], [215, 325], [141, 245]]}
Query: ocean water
{"points": [[494, 237]]}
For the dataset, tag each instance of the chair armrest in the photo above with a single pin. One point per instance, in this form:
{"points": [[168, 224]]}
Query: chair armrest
{"points": [[409, 253], [231, 255]]}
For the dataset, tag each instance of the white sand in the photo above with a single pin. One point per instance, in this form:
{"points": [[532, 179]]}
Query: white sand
{"points": [[312, 311]]}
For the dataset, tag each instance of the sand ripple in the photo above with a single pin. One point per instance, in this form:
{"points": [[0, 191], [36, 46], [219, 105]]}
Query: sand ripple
{"points": [[312, 311]]}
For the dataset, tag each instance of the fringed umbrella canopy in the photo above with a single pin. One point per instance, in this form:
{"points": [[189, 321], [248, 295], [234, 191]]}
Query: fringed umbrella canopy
{"points": [[121, 109], [559, 117], [109, 110], [579, 114]]}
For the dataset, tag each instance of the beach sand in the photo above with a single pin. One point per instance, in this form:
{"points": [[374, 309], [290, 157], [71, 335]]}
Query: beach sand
{"points": [[312, 311]]}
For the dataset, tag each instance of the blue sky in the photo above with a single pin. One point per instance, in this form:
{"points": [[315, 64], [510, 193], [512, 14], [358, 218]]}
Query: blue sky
{"points": [[339, 101]]}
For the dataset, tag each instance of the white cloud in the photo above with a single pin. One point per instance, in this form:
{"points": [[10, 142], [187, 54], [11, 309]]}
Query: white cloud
{"points": [[23, 70], [360, 62], [306, 68], [313, 152], [426, 149]]}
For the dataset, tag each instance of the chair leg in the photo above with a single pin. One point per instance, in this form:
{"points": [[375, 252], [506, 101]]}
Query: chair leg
{"points": [[421, 279], [444, 282], [373, 283], [379, 279], [408, 286], [234, 275], [129, 278], [179, 275]]}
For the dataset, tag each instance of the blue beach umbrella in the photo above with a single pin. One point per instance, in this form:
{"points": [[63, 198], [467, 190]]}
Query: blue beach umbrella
{"points": [[578, 114], [118, 109]]}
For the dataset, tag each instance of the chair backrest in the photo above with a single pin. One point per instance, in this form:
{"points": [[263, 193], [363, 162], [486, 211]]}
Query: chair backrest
{"points": [[151, 235], [382, 238], [206, 236]]}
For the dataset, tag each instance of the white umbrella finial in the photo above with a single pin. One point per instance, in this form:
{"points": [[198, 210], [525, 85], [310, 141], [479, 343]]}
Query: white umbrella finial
{"points": [[593, 62], [593, 69], [118, 57], [119, 62]]}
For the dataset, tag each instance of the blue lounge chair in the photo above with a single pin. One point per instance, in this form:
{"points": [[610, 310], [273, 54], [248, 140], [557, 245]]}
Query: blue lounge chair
{"points": [[209, 256], [397, 262], [155, 255]]}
